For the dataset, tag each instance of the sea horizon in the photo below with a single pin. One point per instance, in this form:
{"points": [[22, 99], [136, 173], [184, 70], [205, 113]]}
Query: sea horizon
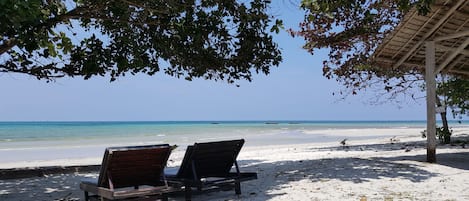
{"points": [[62, 129], [71, 140], [261, 120], [267, 121]]}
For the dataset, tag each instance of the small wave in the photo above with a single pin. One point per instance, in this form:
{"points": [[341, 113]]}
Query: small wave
{"points": [[161, 135]]}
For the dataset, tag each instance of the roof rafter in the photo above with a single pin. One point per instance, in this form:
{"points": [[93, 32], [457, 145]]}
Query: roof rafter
{"points": [[429, 33], [451, 36], [451, 49], [452, 55], [459, 72]]}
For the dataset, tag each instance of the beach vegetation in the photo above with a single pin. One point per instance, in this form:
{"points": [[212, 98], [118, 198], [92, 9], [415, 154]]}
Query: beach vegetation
{"points": [[456, 96], [225, 40], [453, 92], [443, 134], [351, 31]]}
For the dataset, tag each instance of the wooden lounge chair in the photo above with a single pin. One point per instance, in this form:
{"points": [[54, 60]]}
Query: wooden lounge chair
{"points": [[207, 166], [134, 172]]}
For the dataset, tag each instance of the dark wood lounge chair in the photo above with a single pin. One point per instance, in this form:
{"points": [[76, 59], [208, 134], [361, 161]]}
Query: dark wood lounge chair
{"points": [[135, 172], [207, 166]]}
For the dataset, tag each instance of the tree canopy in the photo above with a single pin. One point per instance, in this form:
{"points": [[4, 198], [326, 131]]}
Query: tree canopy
{"points": [[215, 39], [351, 31], [455, 92]]}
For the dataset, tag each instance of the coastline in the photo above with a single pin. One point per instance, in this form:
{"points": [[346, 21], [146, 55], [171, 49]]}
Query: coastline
{"points": [[380, 168], [89, 152]]}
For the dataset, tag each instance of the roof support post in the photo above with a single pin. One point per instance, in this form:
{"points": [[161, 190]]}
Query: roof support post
{"points": [[430, 80]]}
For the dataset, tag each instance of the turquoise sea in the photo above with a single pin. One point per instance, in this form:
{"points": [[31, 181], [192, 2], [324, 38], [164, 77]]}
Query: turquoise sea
{"points": [[174, 131], [52, 140]]}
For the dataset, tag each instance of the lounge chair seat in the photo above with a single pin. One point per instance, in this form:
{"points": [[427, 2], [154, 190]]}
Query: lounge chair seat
{"points": [[207, 167], [134, 172]]}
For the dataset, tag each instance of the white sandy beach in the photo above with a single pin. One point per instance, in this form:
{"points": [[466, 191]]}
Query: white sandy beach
{"points": [[376, 169]]}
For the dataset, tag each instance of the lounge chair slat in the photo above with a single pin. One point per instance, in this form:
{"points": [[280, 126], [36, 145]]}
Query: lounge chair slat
{"points": [[211, 159], [130, 167]]}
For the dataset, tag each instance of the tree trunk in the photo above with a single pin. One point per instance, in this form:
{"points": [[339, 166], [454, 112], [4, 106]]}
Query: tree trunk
{"points": [[446, 133]]}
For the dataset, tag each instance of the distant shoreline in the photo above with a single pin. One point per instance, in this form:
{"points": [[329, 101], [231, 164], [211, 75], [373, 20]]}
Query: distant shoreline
{"points": [[222, 121], [83, 144], [372, 169]]}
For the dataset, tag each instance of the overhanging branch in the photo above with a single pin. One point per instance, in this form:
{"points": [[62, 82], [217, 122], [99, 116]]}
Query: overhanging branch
{"points": [[7, 45]]}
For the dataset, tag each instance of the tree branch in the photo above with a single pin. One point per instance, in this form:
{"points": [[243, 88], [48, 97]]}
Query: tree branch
{"points": [[7, 45]]}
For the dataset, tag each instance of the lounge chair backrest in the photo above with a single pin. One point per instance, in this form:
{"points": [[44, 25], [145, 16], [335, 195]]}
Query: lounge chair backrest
{"points": [[133, 166], [211, 159]]}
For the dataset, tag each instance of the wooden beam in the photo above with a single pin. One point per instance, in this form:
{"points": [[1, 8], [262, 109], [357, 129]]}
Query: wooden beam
{"points": [[391, 61], [430, 80], [409, 40], [451, 49], [378, 52], [456, 62], [452, 55], [459, 72], [429, 33], [451, 36]]}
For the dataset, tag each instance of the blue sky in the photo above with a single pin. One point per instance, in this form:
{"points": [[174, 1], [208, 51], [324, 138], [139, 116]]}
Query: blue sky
{"points": [[296, 90]]}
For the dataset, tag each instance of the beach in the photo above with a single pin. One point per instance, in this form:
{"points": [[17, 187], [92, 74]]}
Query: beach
{"points": [[371, 168], [39, 144]]}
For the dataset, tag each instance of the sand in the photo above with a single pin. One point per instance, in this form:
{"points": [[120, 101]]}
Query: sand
{"points": [[377, 169]]}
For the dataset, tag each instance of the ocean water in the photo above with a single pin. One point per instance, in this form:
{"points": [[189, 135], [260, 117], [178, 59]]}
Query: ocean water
{"points": [[173, 131], [23, 141]]}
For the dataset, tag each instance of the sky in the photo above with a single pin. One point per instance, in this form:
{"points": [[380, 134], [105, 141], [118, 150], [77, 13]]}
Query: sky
{"points": [[295, 90]]}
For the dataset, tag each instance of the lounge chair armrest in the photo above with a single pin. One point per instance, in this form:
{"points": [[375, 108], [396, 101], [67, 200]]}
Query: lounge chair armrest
{"points": [[126, 193], [103, 192], [244, 176], [144, 191], [175, 183]]}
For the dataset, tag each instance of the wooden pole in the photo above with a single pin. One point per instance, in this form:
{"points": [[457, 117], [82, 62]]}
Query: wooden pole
{"points": [[430, 79]]}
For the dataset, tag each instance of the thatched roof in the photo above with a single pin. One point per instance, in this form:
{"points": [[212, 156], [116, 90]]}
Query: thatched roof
{"points": [[447, 24]]}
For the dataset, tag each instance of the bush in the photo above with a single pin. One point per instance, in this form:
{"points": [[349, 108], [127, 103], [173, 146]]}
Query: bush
{"points": [[443, 135]]}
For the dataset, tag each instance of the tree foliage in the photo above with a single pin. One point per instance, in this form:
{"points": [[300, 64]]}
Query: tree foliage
{"points": [[213, 39], [351, 30], [455, 92]]}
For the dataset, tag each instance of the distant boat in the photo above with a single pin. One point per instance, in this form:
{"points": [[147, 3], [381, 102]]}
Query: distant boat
{"points": [[214, 123], [270, 122]]}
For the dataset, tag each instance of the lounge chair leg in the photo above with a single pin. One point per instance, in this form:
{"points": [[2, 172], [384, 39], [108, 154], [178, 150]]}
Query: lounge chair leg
{"points": [[87, 197], [188, 193], [238, 187], [164, 198]]}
